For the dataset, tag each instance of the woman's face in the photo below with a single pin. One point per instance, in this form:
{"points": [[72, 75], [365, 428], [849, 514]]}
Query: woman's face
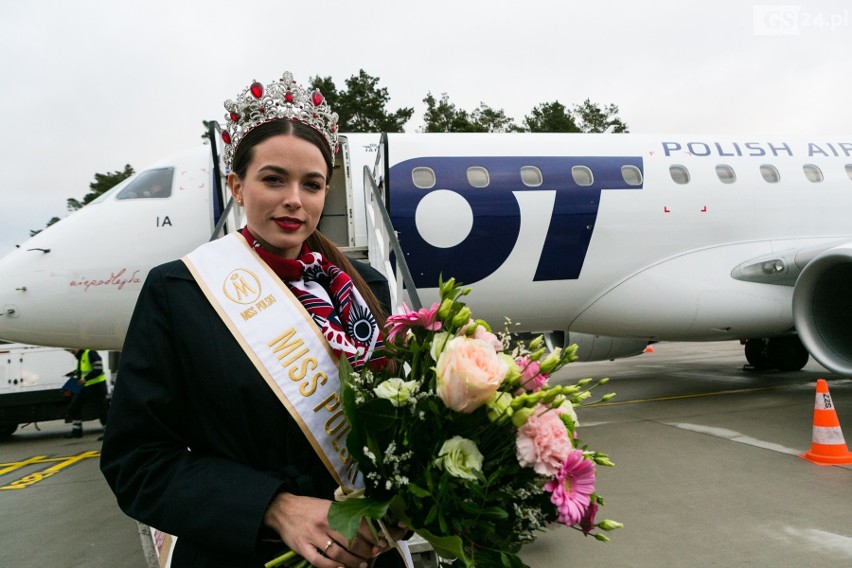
{"points": [[283, 193]]}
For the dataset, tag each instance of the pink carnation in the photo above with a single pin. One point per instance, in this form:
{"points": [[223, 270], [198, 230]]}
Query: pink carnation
{"points": [[400, 323], [532, 379], [571, 489], [543, 442]]}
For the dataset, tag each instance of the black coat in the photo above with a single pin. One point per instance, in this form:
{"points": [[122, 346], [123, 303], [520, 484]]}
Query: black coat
{"points": [[197, 444]]}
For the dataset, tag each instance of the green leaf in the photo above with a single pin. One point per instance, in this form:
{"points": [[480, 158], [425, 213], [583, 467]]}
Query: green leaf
{"points": [[446, 546], [418, 491], [495, 513], [346, 516]]}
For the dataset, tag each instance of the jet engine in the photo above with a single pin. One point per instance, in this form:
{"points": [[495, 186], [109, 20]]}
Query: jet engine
{"points": [[595, 347], [822, 308]]}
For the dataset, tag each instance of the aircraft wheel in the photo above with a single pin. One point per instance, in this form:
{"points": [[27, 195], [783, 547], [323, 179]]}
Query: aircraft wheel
{"points": [[787, 353], [757, 353]]}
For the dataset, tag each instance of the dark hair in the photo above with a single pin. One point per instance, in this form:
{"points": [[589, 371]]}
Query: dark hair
{"points": [[317, 242], [245, 151]]}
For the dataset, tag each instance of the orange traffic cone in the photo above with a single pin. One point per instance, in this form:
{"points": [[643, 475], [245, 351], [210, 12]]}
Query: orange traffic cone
{"points": [[828, 446], [649, 349]]}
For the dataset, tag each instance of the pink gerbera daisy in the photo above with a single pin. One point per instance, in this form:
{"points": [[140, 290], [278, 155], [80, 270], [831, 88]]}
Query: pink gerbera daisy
{"points": [[572, 487], [400, 323]]}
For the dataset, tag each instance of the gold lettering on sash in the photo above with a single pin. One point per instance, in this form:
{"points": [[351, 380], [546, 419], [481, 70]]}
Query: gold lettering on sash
{"points": [[284, 345], [298, 373], [265, 302], [330, 403], [330, 426], [310, 387]]}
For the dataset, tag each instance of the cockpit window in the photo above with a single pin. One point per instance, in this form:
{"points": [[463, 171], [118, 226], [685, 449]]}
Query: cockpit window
{"points": [[150, 184]]}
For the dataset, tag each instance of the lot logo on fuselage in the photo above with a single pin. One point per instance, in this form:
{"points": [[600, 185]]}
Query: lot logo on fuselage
{"points": [[456, 228]]}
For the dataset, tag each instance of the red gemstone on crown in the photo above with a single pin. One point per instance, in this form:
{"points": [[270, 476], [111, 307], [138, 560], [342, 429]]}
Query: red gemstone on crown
{"points": [[316, 98], [226, 138], [288, 97], [256, 90], [235, 117]]}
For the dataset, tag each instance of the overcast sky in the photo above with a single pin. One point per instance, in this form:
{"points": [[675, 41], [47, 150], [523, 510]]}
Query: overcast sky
{"points": [[91, 85]]}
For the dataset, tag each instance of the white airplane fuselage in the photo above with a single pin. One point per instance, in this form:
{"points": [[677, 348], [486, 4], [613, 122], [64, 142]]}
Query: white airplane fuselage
{"points": [[648, 238]]}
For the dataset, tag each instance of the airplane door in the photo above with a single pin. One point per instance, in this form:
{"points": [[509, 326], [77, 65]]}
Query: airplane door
{"points": [[226, 217]]}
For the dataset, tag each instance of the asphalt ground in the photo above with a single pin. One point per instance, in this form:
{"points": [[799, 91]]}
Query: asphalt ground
{"points": [[707, 469], [707, 474]]}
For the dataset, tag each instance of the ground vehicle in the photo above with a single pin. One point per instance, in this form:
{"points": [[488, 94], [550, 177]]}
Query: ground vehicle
{"points": [[31, 381]]}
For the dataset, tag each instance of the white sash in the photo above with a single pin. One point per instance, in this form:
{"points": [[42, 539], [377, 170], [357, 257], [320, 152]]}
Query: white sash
{"points": [[283, 342]]}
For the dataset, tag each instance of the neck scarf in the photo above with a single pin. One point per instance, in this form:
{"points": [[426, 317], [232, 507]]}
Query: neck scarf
{"points": [[329, 296]]}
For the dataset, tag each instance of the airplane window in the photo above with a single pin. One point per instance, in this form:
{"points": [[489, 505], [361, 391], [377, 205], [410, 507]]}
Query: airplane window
{"points": [[531, 176], [632, 175], [770, 173], [726, 173], [582, 175], [679, 174], [150, 184], [813, 173], [478, 176], [424, 178]]}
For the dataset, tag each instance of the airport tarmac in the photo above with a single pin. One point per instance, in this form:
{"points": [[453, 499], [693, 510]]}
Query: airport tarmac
{"points": [[706, 474]]}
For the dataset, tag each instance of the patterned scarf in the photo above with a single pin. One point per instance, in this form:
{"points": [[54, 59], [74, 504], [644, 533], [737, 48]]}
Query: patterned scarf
{"points": [[335, 305]]}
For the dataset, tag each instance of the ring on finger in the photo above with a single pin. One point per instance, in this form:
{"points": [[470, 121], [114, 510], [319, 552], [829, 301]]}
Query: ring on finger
{"points": [[327, 546]]}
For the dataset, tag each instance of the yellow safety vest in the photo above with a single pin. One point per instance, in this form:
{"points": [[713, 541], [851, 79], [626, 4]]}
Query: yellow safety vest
{"points": [[85, 367]]}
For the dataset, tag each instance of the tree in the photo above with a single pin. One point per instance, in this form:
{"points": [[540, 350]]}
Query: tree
{"points": [[592, 118], [362, 107], [34, 232], [443, 116], [102, 184], [550, 117], [487, 119]]}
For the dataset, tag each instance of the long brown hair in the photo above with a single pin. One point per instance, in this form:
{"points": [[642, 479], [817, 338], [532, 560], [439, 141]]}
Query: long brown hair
{"points": [[317, 242]]}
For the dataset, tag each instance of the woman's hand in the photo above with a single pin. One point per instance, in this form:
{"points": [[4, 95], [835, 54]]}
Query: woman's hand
{"points": [[302, 523]]}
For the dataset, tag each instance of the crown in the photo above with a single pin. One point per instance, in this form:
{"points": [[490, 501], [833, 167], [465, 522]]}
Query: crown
{"points": [[281, 99]]}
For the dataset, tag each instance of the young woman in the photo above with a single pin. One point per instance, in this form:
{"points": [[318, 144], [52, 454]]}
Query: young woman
{"points": [[225, 428]]}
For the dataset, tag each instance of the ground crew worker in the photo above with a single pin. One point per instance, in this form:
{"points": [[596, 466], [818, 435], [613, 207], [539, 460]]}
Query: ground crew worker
{"points": [[92, 381]]}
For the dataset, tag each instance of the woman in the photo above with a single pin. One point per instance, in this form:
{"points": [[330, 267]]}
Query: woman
{"points": [[225, 428]]}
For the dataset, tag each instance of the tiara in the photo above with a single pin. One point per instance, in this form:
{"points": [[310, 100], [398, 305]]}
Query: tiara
{"points": [[282, 99]]}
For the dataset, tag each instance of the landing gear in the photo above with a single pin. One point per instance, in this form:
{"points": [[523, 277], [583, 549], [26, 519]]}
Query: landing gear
{"points": [[784, 353]]}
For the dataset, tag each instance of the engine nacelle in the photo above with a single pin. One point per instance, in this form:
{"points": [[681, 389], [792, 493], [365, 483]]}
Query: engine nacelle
{"points": [[595, 347], [822, 308]]}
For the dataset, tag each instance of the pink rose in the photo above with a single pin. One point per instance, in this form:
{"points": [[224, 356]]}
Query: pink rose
{"points": [[485, 335], [469, 373], [543, 442]]}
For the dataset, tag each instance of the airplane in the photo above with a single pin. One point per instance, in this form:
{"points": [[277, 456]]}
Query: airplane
{"points": [[611, 242]]}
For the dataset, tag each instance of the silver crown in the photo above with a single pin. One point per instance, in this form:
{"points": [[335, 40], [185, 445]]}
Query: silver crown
{"points": [[282, 99]]}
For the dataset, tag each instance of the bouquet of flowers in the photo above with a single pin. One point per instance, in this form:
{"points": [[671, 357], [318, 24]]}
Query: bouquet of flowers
{"points": [[464, 441]]}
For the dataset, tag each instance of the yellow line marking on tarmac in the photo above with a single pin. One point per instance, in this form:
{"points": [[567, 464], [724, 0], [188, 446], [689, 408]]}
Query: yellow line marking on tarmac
{"points": [[33, 478]]}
